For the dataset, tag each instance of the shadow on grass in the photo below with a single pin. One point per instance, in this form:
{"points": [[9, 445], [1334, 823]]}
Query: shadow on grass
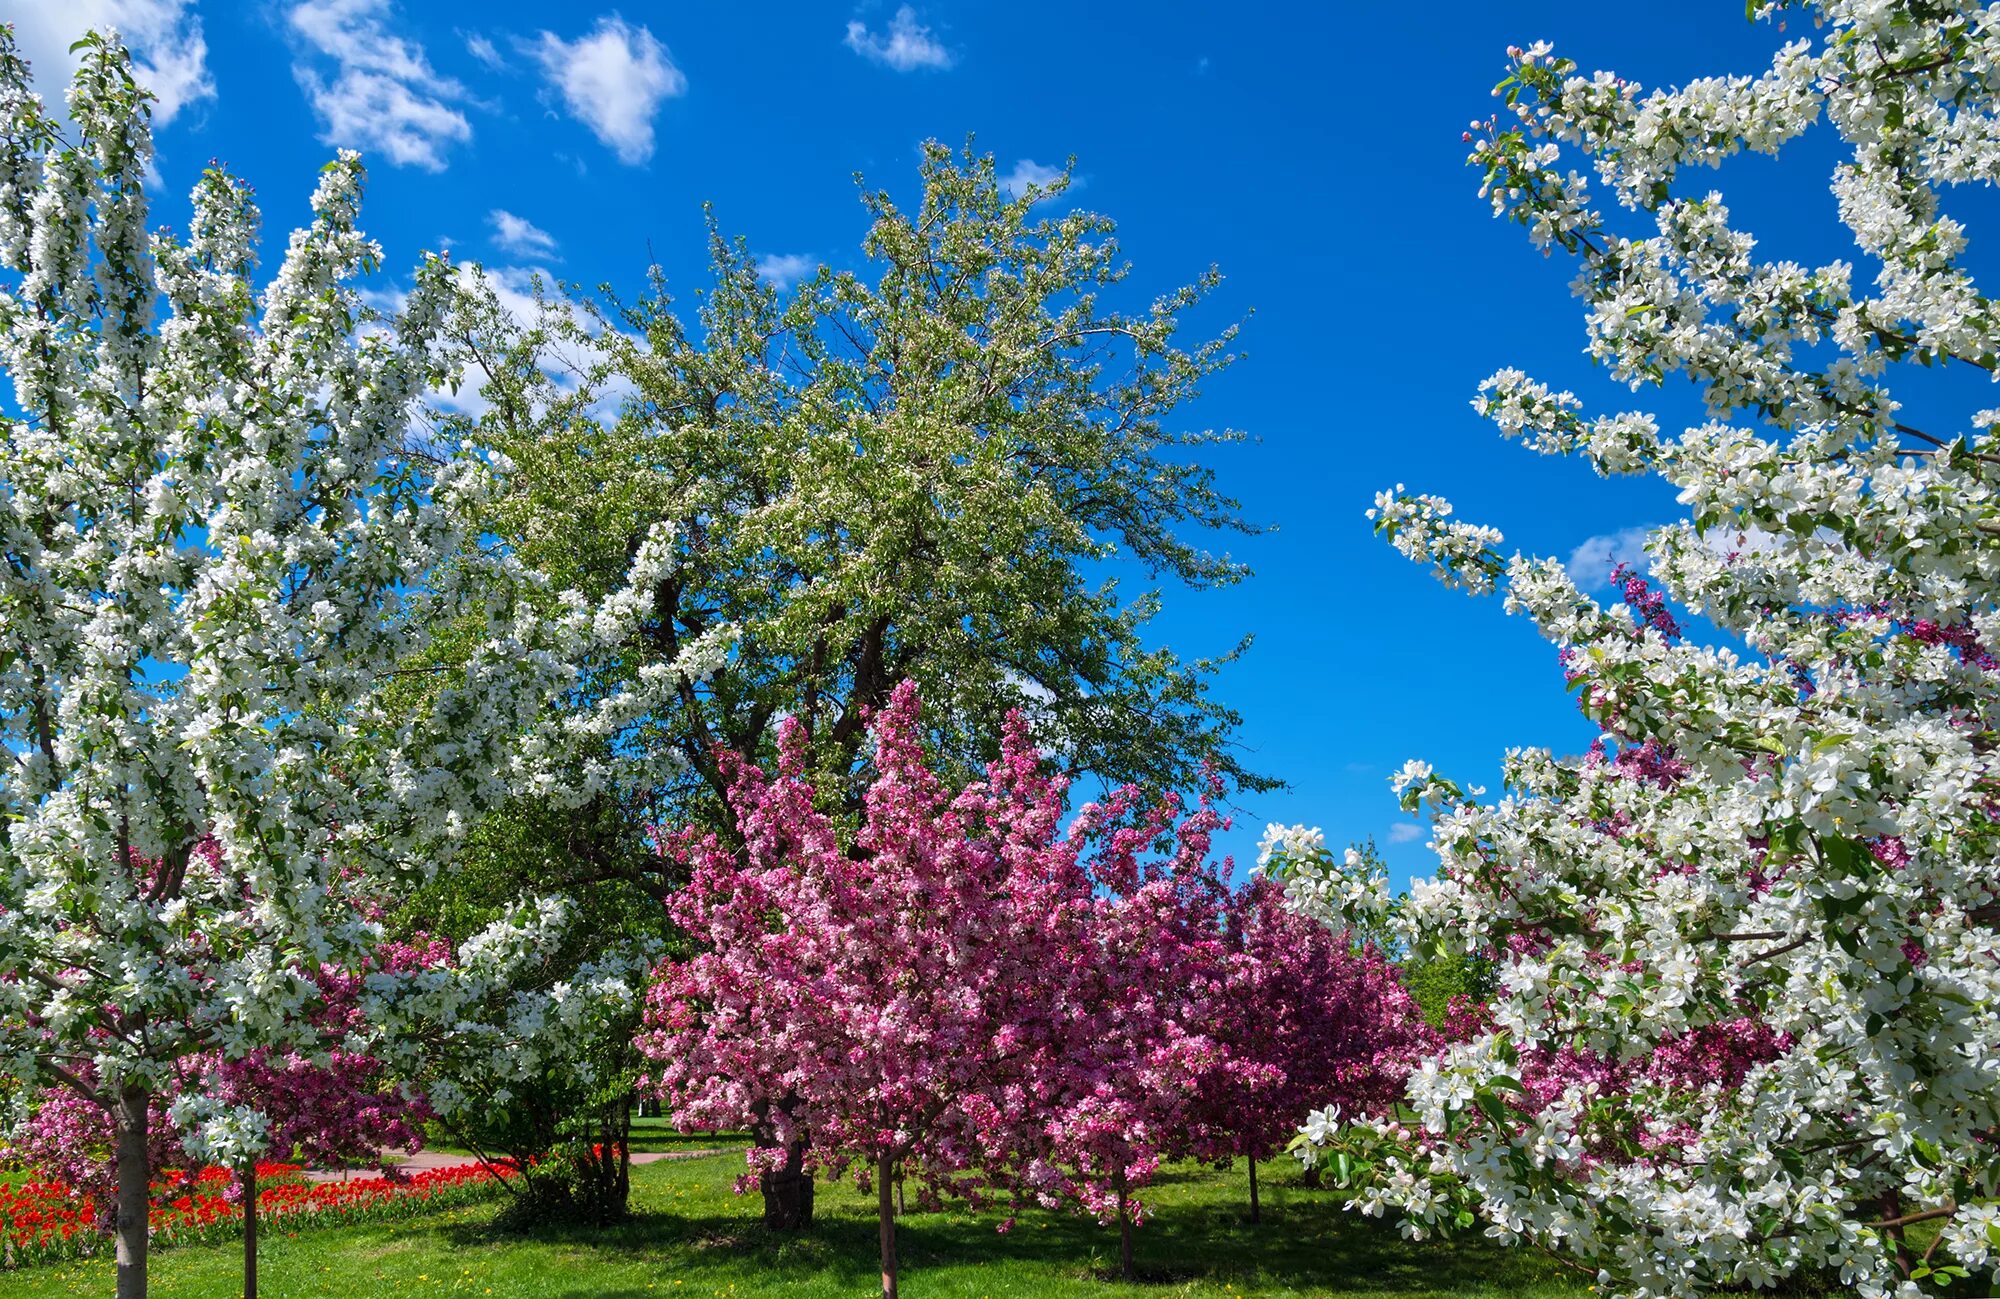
{"points": [[1306, 1242], [649, 1135]]}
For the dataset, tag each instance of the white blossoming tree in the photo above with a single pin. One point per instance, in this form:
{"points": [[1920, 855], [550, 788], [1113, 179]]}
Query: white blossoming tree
{"points": [[218, 550], [1748, 1017]]}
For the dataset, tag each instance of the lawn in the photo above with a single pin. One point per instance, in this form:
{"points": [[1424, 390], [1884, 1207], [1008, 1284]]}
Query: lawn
{"points": [[691, 1235]]}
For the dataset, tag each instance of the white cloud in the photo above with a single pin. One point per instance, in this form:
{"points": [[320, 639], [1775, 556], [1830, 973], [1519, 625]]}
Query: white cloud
{"points": [[784, 270], [1590, 564], [1029, 172], [906, 46], [484, 50], [520, 236], [612, 81], [170, 57], [383, 93], [1405, 832], [524, 295]]}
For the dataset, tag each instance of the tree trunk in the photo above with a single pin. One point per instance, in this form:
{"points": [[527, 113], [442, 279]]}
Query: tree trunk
{"points": [[885, 1211], [788, 1192], [134, 1186], [788, 1189], [1256, 1213], [624, 1191], [1125, 1268], [249, 1180], [1312, 1178]]}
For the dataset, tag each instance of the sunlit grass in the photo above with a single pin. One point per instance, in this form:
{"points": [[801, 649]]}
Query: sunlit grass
{"points": [[691, 1235]]}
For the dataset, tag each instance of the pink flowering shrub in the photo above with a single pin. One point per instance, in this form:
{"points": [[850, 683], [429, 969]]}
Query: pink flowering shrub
{"points": [[969, 995], [1304, 1021]]}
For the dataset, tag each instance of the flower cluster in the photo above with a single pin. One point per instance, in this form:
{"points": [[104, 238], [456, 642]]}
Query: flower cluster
{"points": [[1747, 949]]}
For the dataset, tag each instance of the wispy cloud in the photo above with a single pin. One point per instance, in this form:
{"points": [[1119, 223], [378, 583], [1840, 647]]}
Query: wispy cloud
{"points": [[382, 93], [1405, 832], [906, 45], [1029, 172], [1591, 563], [520, 236], [783, 270], [612, 81], [483, 49], [170, 56]]}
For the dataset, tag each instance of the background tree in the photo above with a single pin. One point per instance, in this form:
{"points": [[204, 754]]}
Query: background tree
{"points": [[567, 1122], [1746, 1020], [917, 470]]}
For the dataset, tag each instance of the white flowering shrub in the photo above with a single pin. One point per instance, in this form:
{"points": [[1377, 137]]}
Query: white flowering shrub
{"points": [[1747, 1024], [220, 545]]}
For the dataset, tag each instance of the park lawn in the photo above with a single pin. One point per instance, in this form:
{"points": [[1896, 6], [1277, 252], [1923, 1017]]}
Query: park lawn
{"points": [[691, 1235], [649, 1134]]}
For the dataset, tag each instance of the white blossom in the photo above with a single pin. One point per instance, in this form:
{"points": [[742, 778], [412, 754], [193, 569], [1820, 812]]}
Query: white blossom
{"points": [[1797, 831]]}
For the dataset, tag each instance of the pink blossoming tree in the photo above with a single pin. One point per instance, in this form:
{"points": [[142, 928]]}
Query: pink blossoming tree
{"points": [[969, 994], [953, 995], [1307, 1020]]}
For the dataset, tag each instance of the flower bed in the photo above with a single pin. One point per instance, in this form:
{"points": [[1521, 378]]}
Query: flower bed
{"points": [[43, 1222]]}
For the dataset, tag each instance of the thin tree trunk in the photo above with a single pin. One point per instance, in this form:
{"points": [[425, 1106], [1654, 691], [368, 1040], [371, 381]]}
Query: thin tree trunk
{"points": [[134, 1185], [1125, 1268], [249, 1180], [1256, 1213], [885, 1211], [624, 1192]]}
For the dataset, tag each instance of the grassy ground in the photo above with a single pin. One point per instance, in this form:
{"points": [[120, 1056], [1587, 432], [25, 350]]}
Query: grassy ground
{"points": [[647, 1135], [691, 1236]]}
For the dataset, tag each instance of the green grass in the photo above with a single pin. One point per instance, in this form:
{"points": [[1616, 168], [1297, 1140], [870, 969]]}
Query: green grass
{"points": [[691, 1235], [659, 1134], [647, 1135]]}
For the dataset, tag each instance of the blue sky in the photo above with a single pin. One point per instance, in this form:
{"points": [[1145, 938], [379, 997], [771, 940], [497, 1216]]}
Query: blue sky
{"points": [[1312, 151]]}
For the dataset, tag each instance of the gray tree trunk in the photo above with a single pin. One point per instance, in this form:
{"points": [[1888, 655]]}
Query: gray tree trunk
{"points": [[885, 1210], [134, 1188]]}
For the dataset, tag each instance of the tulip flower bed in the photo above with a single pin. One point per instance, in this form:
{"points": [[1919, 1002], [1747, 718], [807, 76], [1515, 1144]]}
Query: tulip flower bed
{"points": [[43, 1222]]}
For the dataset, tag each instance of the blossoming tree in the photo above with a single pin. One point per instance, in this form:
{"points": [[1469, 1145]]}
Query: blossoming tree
{"points": [[1747, 1023], [880, 1001], [964, 992], [1304, 1020], [218, 546]]}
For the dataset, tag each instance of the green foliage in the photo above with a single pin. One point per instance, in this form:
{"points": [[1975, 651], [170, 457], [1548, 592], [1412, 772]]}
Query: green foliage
{"points": [[913, 470], [568, 1131], [1434, 980]]}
